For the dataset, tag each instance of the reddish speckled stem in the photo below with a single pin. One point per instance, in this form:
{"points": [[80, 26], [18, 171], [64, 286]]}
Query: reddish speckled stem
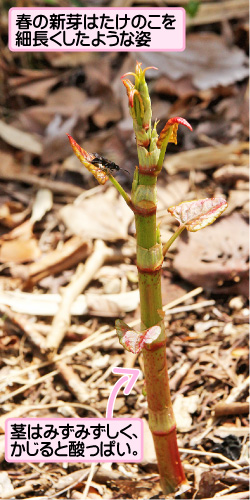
{"points": [[161, 418]]}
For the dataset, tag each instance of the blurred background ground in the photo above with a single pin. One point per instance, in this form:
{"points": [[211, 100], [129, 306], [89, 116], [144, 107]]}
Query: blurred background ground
{"points": [[57, 361]]}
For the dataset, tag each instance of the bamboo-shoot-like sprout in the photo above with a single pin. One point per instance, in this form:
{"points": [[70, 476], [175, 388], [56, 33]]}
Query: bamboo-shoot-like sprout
{"points": [[192, 215]]}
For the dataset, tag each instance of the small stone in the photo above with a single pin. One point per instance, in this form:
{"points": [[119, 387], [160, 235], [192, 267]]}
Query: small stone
{"points": [[229, 329], [6, 488], [101, 362], [183, 407], [132, 277], [113, 286], [245, 312], [236, 303]]}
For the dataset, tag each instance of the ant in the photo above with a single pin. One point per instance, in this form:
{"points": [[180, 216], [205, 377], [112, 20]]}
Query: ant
{"points": [[106, 164]]}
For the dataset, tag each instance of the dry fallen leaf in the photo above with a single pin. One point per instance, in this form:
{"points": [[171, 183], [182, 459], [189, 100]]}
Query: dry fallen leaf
{"points": [[19, 139], [98, 218], [55, 145], [207, 59], [208, 157], [210, 484], [237, 199], [73, 251], [37, 90], [23, 231], [71, 96], [69, 59], [182, 87], [216, 258], [19, 245], [42, 115], [172, 193], [99, 305], [231, 173], [7, 163], [109, 111]]}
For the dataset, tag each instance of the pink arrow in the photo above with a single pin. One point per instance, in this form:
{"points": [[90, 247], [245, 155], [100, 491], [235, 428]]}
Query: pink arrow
{"points": [[130, 376]]}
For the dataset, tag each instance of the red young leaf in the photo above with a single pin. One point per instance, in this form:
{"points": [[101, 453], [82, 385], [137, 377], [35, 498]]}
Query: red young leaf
{"points": [[180, 121], [196, 214], [79, 152], [86, 158], [134, 341], [132, 92], [172, 122], [138, 71], [150, 67]]}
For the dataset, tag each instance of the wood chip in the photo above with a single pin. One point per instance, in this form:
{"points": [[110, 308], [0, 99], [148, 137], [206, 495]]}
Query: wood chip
{"points": [[205, 158]]}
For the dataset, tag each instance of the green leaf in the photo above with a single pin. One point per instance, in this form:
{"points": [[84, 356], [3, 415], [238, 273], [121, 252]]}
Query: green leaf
{"points": [[132, 340], [169, 134], [192, 8], [196, 214]]}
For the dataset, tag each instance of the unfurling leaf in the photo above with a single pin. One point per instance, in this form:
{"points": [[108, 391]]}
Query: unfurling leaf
{"points": [[195, 215], [173, 123], [86, 158], [134, 341], [132, 92]]}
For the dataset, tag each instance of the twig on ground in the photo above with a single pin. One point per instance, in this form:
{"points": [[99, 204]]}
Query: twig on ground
{"points": [[234, 496], [191, 307], [106, 374], [70, 486], [88, 483], [73, 381], [42, 182], [82, 277], [179, 375], [47, 304], [73, 251], [27, 386], [236, 392], [26, 327], [211, 454], [233, 396], [230, 409], [93, 339], [183, 298], [29, 486], [236, 478]]}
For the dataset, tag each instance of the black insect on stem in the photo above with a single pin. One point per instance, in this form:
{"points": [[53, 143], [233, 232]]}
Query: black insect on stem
{"points": [[106, 164]]}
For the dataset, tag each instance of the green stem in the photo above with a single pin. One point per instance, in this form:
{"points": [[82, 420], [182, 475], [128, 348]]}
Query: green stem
{"points": [[151, 150], [120, 189], [171, 240], [164, 147], [161, 418]]}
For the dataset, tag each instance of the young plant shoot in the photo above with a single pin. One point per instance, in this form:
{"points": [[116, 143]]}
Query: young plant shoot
{"points": [[192, 215]]}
